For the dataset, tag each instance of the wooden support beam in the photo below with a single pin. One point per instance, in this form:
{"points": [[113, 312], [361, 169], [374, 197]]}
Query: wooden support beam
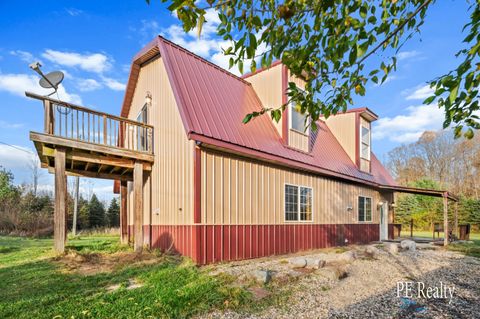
{"points": [[82, 173], [123, 213], [138, 206], [455, 231], [89, 158], [60, 211], [445, 219]]}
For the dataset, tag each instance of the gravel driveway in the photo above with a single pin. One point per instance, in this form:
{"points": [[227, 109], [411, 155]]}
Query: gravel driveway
{"points": [[370, 289]]}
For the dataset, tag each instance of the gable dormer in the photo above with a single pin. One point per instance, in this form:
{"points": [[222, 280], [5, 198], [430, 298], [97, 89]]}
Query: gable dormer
{"points": [[271, 87], [353, 130]]}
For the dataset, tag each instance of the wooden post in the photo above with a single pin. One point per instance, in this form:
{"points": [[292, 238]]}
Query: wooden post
{"points": [[138, 206], [411, 228], [445, 219], [455, 231], [59, 228], [123, 213]]}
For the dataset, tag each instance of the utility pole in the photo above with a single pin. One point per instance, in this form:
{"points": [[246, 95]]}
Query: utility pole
{"points": [[75, 206]]}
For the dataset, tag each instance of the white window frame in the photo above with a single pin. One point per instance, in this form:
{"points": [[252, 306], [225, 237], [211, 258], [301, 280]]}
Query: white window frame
{"points": [[369, 142], [364, 209], [298, 220], [291, 110]]}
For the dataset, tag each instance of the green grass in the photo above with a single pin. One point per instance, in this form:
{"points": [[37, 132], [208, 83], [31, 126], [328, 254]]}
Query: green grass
{"points": [[428, 234], [35, 284]]}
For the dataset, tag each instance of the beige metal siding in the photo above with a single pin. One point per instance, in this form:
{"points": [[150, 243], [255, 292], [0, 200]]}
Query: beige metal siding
{"points": [[242, 191], [343, 128], [168, 198], [268, 86], [299, 82], [298, 140]]}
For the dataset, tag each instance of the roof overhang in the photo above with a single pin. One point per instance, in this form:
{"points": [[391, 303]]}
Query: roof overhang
{"points": [[420, 191]]}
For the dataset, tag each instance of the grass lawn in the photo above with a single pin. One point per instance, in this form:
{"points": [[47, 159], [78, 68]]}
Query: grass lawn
{"points": [[34, 283], [470, 249], [428, 234]]}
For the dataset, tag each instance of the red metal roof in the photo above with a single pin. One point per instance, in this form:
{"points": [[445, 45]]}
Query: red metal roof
{"points": [[213, 102]]}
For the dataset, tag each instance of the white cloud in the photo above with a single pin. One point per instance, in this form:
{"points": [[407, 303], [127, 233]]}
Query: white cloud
{"points": [[73, 12], [86, 85], [404, 55], [17, 84], [95, 62], [23, 55], [7, 125], [418, 93], [113, 84], [408, 128], [15, 157]]}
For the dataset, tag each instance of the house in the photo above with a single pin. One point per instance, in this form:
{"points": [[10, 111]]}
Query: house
{"points": [[195, 180], [222, 190]]}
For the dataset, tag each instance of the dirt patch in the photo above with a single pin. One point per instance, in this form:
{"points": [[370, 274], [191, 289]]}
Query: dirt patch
{"points": [[93, 263]]}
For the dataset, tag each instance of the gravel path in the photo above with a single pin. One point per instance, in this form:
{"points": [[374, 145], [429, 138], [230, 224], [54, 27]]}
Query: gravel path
{"points": [[370, 289]]}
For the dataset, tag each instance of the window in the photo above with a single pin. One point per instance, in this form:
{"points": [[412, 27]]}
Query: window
{"points": [[297, 119], [365, 142], [298, 203], [364, 209], [142, 132]]}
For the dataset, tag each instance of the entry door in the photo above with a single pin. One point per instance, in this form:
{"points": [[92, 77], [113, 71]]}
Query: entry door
{"points": [[384, 221]]}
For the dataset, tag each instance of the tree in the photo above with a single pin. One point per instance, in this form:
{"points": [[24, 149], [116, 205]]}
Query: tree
{"points": [[451, 163], [330, 45], [113, 214], [7, 189], [96, 211]]}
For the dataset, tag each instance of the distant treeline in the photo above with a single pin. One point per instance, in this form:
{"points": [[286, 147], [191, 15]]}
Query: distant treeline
{"points": [[26, 212], [437, 161]]}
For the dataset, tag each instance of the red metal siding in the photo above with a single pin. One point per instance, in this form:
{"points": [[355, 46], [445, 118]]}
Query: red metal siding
{"points": [[237, 242]]}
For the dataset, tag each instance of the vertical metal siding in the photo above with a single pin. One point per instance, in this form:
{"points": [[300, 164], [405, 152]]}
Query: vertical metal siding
{"points": [[343, 128], [169, 188]]}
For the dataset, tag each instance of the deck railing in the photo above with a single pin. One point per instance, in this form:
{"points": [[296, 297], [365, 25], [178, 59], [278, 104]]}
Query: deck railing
{"points": [[75, 122]]}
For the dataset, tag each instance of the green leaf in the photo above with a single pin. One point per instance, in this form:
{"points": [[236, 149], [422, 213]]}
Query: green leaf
{"points": [[453, 94], [247, 118], [353, 55], [469, 134], [429, 99], [276, 115]]}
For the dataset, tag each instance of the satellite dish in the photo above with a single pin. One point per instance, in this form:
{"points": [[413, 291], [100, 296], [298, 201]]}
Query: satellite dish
{"points": [[51, 80]]}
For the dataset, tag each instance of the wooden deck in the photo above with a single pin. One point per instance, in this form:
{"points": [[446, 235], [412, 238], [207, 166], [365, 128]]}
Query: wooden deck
{"points": [[78, 141]]}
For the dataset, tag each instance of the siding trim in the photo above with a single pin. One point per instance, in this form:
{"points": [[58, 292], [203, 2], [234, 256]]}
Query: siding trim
{"points": [[285, 116]]}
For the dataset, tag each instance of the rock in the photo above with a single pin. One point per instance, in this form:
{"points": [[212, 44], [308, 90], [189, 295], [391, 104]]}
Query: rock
{"points": [[334, 273], [371, 251], [262, 276], [346, 257], [298, 262], [392, 248], [315, 263], [408, 244]]}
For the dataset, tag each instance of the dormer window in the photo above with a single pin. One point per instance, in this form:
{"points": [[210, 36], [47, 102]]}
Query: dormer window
{"points": [[365, 142], [297, 119]]}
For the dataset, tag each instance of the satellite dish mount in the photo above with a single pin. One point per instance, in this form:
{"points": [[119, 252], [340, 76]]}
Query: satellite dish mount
{"points": [[50, 80]]}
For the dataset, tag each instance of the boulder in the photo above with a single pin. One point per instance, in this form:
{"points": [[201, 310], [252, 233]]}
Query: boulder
{"points": [[262, 276], [298, 262], [346, 257], [371, 251], [392, 248], [408, 244], [315, 263], [333, 273]]}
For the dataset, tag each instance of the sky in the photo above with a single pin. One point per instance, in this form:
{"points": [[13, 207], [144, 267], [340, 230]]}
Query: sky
{"points": [[93, 43]]}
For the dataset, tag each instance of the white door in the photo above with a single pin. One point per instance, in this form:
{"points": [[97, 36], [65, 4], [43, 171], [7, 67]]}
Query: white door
{"points": [[384, 221]]}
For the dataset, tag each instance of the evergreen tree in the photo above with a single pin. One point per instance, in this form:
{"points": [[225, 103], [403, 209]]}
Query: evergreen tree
{"points": [[96, 212], [113, 214]]}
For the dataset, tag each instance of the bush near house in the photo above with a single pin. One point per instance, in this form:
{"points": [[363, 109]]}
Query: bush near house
{"points": [[24, 212]]}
